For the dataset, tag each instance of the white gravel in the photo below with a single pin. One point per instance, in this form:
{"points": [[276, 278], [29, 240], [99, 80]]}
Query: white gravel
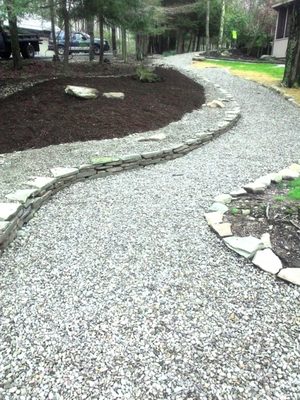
{"points": [[117, 289], [17, 167]]}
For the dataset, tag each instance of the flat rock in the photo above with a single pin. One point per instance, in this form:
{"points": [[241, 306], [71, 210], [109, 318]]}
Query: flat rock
{"points": [[245, 246], [104, 160], [216, 104], [114, 95], [291, 275], [289, 174], [221, 207], [276, 178], [61, 172], [268, 261], [3, 225], [41, 182], [255, 187], [8, 210], [238, 192], [154, 138], [223, 198], [266, 239], [295, 167], [223, 230], [265, 180], [214, 217], [199, 58], [82, 92], [21, 195]]}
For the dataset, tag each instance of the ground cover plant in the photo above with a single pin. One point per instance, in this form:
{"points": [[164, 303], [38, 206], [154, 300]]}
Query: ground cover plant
{"points": [[46, 115], [277, 212]]}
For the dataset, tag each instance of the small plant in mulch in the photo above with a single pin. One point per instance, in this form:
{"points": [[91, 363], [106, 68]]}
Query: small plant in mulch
{"points": [[277, 212], [146, 75]]}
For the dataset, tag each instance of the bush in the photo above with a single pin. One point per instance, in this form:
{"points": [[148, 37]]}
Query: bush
{"points": [[144, 74]]}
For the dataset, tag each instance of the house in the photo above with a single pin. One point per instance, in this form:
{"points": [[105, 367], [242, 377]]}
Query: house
{"points": [[284, 10]]}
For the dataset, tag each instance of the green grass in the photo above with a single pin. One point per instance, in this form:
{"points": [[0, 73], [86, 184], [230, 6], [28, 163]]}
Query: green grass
{"points": [[273, 70], [294, 193]]}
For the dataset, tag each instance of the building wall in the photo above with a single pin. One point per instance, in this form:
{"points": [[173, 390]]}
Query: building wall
{"points": [[279, 47]]}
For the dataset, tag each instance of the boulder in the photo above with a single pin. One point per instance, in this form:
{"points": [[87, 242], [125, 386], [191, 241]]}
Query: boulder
{"points": [[82, 92], [114, 95]]}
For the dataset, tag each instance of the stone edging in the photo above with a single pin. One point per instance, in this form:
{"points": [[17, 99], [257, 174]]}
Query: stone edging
{"points": [[24, 203], [252, 248], [279, 91]]}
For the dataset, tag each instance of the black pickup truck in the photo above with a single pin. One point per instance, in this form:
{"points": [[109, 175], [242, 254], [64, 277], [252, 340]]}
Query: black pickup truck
{"points": [[28, 42]]}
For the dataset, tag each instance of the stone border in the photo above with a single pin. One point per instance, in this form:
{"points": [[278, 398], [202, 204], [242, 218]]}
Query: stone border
{"points": [[24, 203], [259, 251]]}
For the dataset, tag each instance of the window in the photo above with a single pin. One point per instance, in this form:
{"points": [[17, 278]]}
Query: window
{"points": [[281, 23]]}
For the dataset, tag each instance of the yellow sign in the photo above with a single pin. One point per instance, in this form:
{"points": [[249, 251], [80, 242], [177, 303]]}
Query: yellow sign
{"points": [[234, 35]]}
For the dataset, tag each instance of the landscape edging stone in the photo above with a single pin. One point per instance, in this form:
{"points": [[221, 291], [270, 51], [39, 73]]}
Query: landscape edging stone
{"points": [[68, 176], [238, 193]]}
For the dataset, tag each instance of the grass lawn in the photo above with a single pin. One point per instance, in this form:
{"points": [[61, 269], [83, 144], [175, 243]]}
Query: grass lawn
{"points": [[265, 73]]}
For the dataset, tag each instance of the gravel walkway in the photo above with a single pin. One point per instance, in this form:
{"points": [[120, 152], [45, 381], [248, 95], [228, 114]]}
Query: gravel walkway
{"points": [[118, 290]]}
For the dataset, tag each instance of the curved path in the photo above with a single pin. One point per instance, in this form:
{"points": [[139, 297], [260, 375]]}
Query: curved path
{"points": [[118, 290]]}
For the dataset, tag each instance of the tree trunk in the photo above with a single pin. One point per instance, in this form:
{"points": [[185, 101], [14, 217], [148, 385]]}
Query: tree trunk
{"points": [[90, 30], [101, 30], [124, 44], [207, 25], [52, 18], [66, 19], [222, 21], [292, 66], [113, 40], [14, 40]]}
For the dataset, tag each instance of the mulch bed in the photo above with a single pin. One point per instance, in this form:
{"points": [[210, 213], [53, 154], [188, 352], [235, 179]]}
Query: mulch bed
{"points": [[44, 115], [274, 213]]}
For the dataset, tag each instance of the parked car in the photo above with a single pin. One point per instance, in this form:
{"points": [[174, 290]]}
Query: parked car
{"points": [[28, 42], [79, 43]]}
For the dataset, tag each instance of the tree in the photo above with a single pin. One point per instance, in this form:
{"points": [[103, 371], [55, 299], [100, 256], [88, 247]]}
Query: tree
{"points": [[13, 29], [292, 66], [222, 21], [207, 25]]}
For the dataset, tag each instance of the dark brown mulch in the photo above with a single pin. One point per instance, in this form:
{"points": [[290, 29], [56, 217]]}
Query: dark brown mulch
{"points": [[274, 213], [45, 115], [41, 68]]}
